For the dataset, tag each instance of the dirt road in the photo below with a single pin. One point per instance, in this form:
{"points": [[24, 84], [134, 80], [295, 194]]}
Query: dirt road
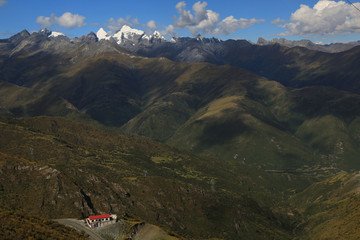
{"points": [[80, 226]]}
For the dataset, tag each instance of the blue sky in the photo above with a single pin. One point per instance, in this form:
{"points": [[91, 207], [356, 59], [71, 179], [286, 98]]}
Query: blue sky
{"points": [[320, 20]]}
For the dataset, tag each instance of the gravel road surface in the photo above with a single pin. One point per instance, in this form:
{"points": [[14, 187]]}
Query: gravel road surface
{"points": [[80, 226]]}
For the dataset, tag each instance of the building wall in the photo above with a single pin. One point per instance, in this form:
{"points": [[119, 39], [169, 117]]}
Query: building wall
{"points": [[99, 222]]}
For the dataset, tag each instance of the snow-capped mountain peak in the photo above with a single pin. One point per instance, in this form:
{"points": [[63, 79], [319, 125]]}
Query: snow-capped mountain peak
{"points": [[50, 33], [44, 30], [129, 33], [56, 34], [101, 34], [157, 35]]}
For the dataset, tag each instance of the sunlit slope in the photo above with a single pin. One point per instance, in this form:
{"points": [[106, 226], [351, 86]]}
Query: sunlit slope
{"points": [[330, 208]]}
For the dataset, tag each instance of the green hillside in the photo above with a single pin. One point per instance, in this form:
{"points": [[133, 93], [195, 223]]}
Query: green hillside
{"points": [[330, 208]]}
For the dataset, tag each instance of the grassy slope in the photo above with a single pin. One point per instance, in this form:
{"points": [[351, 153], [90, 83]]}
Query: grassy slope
{"points": [[20, 226], [233, 113], [330, 208], [338, 70], [22, 101], [67, 169]]}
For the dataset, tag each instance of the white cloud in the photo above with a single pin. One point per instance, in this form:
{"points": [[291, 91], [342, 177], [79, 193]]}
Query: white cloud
{"points": [[169, 31], [67, 20], [70, 20], [206, 25], [208, 22], [185, 18], [230, 25], [46, 21], [278, 21], [116, 24], [151, 24], [135, 21], [3, 2], [200, 11], [325, 18]]}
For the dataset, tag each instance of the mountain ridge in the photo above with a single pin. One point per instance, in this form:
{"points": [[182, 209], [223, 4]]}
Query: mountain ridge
{"points": [[330, 48], [135, 36]]}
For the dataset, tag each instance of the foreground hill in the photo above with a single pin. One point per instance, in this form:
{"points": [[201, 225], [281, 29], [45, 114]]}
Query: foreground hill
{"points": [[16, 225], [57, 168]]}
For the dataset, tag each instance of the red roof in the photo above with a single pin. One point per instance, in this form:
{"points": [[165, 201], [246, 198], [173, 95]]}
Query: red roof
{"points": [[99, 216]]}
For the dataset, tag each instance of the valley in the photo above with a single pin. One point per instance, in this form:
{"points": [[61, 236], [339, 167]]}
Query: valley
{"points": [[205, 139]]}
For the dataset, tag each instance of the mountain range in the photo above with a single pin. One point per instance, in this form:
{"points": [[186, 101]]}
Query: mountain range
{"points": [[190, 128], [330, 48]]}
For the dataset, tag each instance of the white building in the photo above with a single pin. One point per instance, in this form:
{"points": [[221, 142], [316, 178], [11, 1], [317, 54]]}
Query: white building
{"points": [[100, 220]]}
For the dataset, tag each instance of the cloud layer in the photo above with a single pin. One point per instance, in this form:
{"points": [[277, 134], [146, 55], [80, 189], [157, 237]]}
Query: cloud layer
{"points": [[325, 18], [116, 24], [67, 20], [151, 24], [202, 20]]}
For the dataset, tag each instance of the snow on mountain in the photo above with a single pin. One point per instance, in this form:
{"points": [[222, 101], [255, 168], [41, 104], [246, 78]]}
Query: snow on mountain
{"points": [[44, 30], [56, 34], [129, 33], [50, 33], [101, 34], [157, 35]]}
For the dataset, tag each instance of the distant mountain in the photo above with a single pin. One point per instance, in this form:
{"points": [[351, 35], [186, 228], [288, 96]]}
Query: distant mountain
{"points": [[130, 34], [330, 48], [129, 38], [51, 33], [292, 67]]}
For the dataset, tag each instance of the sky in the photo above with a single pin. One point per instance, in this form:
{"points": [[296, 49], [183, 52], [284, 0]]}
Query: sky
{"points": [[323, 21]]}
